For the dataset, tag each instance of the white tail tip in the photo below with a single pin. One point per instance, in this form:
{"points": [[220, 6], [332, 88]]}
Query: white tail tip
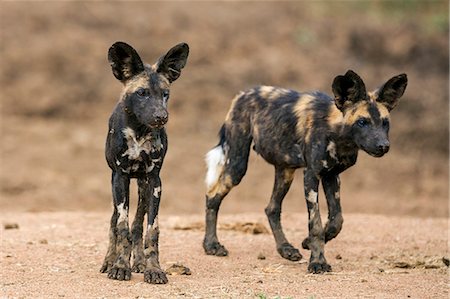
{"points": [[215, 159]]}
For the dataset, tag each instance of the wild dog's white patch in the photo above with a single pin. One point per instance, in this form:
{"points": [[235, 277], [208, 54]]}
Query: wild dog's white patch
{"points": [[156, 191], [153, 226], [312, 196], [337, 195], [324, 163], [331, 149], [136, 146], [215, 159], [123, 213]]}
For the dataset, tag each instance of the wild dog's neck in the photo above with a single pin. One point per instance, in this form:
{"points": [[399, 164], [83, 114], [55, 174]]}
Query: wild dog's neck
{"points": [[341, 131], [140, 129]]}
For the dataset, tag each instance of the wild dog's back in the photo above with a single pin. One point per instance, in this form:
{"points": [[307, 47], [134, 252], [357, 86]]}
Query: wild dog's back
{"points": [[281, 121]]}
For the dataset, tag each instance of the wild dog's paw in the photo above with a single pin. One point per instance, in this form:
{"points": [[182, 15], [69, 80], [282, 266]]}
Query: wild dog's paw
{"points": [[319, 267], [330, 232], [139, 263], [289, 252], [107, 263], [105, 267], [120, 270], [138, 267], [155, 276], [119, 273], [305, 243], [215, 248]]}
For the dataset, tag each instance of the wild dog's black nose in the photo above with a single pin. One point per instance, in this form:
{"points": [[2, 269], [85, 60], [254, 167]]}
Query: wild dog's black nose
{"points": [[383, 146], [161, 117]]}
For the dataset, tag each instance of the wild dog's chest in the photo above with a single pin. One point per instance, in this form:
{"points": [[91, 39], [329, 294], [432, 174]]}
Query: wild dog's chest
{"points": [[335, 158], [140, 154]]}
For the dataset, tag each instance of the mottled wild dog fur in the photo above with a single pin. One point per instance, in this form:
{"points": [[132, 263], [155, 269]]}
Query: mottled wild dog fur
{"points": [[135, 148], [293, 130]]}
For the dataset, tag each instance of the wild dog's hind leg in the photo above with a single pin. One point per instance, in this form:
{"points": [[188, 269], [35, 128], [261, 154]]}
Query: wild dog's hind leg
{"points": [[214, 198], [229, 166], [153, 272], [316, 239], [283, 180], [331, 186], [120, 270], [137, 227]]}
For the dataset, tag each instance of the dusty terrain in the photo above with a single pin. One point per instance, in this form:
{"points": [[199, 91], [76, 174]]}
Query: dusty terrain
{"points": [[56, 255], [57, 92]]}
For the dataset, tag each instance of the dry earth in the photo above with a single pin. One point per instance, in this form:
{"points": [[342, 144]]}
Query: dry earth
{"points": [[58, 255]]}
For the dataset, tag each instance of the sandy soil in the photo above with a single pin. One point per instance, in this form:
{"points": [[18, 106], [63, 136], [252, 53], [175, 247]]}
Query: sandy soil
{"points": [[55, 255]]}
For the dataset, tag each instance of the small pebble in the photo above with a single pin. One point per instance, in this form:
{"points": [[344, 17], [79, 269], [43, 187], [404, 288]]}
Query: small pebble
{"points": [[261, 256], [178, 269], [11, 226]]}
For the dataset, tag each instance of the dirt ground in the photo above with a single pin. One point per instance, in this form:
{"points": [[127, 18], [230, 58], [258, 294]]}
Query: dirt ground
{"points": [[59, 254], [57, 91]]}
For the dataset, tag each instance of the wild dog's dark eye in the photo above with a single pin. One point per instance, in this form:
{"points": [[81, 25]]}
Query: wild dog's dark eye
{"points": [[385, 123], [141, 92], [362, 122], [165, 95]]}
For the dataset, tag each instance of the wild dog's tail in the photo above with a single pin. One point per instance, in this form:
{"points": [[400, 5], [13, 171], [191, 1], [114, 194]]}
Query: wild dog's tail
{"points": [[230, 157], [215, 160]]}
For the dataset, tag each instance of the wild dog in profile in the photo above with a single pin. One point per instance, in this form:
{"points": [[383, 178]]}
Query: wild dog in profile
{"points": [[293, 130], [135, 148]]}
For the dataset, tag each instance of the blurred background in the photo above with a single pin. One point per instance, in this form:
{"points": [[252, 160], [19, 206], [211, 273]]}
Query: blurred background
{"points": [[57, 92]]}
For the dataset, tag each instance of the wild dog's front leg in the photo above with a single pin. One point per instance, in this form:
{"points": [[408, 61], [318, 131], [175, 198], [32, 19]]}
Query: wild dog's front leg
{"points": [[153, 272], [316, 239], [120, 270], [283, 180], [111, 254], [331, 186], [139, 262]]}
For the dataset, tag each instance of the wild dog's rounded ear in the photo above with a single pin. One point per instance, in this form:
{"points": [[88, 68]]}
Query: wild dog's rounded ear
{"points": [[390, 93], [170, 65], [125, 61], [348, 89]]}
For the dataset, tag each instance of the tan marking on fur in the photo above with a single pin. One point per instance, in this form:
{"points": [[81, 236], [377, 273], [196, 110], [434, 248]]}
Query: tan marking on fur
{"points": [[304, 112], [271, 93], [138, 81], [359, 110], [384, 112], [331, 149], [233, 104], [372, 96], [266, 91], [222, 186], [335, 118], [289, 175]]}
